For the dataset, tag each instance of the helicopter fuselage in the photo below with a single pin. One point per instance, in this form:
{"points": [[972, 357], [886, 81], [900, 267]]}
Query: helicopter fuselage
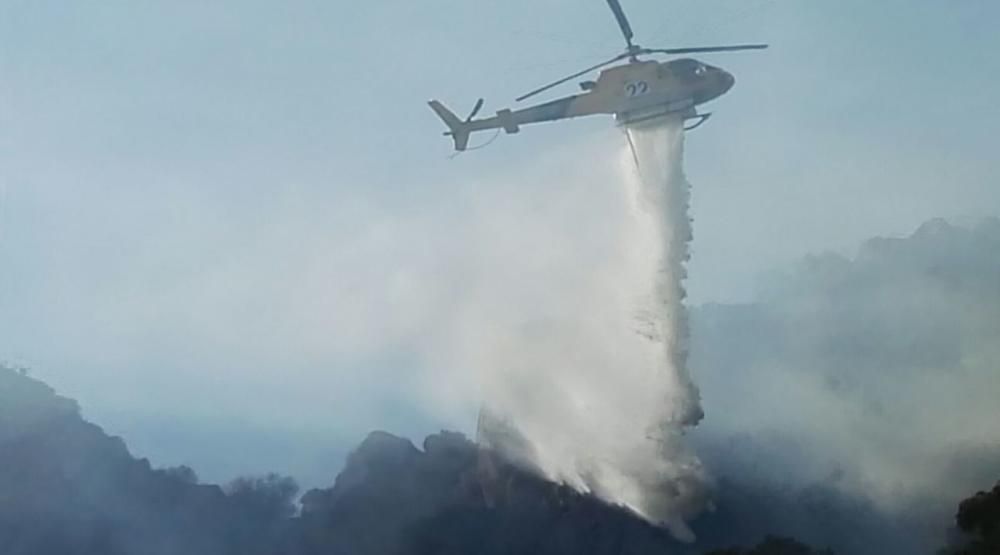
{"points": [[632, 92], [645, 88]]}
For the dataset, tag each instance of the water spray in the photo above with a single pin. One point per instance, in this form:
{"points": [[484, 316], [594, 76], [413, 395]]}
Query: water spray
{"points": [[596, 403]]}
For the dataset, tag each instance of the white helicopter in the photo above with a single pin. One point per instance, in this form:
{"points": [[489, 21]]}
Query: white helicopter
{"points": [[636, 91]]}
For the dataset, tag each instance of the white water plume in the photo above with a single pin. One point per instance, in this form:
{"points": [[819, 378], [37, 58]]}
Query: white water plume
{"points": [[598, 397]]}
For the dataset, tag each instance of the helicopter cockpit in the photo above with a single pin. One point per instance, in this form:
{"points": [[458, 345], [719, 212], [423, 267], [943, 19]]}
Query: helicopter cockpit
{"points": [[687, 68]]}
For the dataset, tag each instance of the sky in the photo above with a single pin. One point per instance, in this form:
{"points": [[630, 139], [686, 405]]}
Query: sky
{"points": [[236, 224]]}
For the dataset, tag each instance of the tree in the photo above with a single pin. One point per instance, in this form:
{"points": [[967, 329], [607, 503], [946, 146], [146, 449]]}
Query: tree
{"points": [[268, 498], [773, 545], [978, 518]]}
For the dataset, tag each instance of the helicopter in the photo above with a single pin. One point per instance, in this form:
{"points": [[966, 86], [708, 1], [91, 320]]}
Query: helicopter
{"points": [[636, 91]]}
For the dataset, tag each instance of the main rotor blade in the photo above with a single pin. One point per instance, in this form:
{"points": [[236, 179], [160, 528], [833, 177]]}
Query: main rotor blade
{"points": [[622, 20], [696, 49], [571, 77]]}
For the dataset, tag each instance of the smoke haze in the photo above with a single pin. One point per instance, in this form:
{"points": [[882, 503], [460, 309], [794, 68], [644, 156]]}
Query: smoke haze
{"points": [[199, 212], [873, 377], [841, 411]]}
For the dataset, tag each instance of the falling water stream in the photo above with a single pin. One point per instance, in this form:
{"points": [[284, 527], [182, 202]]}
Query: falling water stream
{"points": [[601, 401]]}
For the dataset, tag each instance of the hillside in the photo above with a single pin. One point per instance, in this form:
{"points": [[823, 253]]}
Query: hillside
{"points": [[66, 487]]}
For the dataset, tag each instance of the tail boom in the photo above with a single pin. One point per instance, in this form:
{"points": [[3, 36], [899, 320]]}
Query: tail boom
{"points": [[511, 121]]}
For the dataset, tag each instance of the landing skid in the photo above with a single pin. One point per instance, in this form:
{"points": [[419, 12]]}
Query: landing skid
{"points": [[700, 119], [651, 117]]}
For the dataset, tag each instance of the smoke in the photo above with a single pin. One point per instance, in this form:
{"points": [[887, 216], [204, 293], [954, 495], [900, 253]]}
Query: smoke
{"points": [[597, 394], [871, 378]]}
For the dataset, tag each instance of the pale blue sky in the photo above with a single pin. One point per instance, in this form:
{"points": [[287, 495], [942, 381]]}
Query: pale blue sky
{"points": [[179, 177]]}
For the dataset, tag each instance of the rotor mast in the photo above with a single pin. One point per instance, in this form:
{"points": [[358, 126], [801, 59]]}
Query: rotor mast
{"points": [[633, 49]]}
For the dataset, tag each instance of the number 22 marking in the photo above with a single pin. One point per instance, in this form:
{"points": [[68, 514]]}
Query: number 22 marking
{"points": [[636, 88]]}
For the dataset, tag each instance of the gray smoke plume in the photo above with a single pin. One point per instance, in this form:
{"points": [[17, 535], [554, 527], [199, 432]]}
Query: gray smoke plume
{"points": [[871, 378], [598, 397]]}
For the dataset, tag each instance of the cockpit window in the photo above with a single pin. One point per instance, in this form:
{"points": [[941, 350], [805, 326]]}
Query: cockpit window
{"points": [[686, 68]]}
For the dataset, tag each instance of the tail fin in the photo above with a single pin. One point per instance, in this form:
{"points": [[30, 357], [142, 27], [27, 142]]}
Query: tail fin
{"points": [[458, 129]]}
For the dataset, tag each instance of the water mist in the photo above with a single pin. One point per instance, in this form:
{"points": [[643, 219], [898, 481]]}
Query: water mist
{"points": [[599, 398]]}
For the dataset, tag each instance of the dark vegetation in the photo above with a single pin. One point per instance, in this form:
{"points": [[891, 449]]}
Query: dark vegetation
{"points": [[774, 546], [978, 523], [67, 488]]}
